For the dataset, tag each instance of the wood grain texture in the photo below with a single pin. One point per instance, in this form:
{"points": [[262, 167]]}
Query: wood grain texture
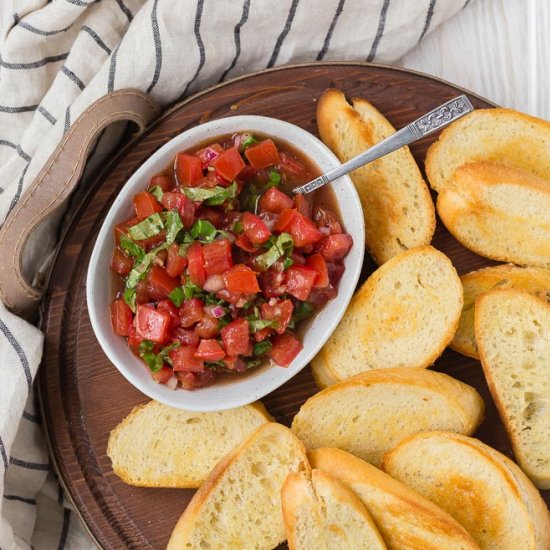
{"points": [[83, 396]]}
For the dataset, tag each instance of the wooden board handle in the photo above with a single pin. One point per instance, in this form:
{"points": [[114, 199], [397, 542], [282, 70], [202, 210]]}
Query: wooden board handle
{"points": [[53, 185]]}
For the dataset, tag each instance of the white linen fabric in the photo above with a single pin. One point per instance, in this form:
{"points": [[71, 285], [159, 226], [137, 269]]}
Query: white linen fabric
{"points": [[57, 57]]}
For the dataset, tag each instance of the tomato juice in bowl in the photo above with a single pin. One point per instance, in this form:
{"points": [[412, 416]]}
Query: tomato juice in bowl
{"points": [[218, 296]]}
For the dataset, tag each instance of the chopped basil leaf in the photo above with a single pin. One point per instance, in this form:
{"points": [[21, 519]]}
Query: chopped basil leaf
{"points": [[302, 311], [130, 298], [215, 364], [281, 247], [157, 192], [191, 290], [253, 363], [204, 229], [213, 196], [250, 140], [259, 324], [288, 263], [185, 243], [131, 248], [274, 180], [238, 227], [140, 269], [173, 226], [149, 227], [261, 348], [176, 296], [155, 361]]}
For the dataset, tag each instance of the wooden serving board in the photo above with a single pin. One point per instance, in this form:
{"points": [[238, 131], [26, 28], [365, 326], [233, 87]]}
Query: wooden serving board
{"points": [[83, 396]]}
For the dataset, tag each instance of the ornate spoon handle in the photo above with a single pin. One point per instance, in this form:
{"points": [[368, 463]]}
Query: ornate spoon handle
{"points": [[427, 124]]}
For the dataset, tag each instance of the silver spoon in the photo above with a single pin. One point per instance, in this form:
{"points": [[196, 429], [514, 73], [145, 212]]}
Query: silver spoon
{"points": [[425, 125]]}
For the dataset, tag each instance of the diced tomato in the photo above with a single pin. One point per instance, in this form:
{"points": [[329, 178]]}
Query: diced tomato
{"points": [[163, 181], [241, 279], [235, 337], [318, 263], [215, 217], [304, 232], [300, 281], [163, 375], [272, 283], [151, 324], [243, 242], [261, 335], [121, 317], [193, 380], [291, 166], [275, 201], [217, 257], [285, 349], [263, 154], [120, 263], [162, 284], [233, 298], [286, 219], [166, 306], [255, 228], [320, 296], [187, 337], [152, 242], [195, 262], [298, 258], [335, 272], [191, 312], [185, 207], [324, 217], [175, 264], [210, 350], [122, 229], [188, 169], [183, 359], [146, 205], [229, 164], [230, 362], [133, 339], [303, 205], [280, 312], [142, 292], [207, 327], [336, 247]]}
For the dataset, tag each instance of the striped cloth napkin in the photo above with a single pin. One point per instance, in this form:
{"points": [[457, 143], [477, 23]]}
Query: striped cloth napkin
{"points": [[57, 57]]}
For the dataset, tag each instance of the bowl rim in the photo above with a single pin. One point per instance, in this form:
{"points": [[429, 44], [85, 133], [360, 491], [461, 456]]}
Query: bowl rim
{"points": [[291, 133]]}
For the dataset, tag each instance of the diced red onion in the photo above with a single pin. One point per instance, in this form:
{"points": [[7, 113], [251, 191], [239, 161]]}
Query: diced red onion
{"points": [[269, 223], [272, 301], [325, 230], [210, 154], [242, 301], [214, 283], [217, 311], [238, 139], [172, 382]]}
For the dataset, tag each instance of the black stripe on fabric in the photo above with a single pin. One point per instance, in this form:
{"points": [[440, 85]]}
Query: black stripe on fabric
{"points": [[31, 417], [59, 495], [328, 37], [65, 529], [282, 36], [112, 70], [96, 38], [34, 64], [29, 27], [79, 3], [237, 34], [429, 16], [200, 44], [3, 453], [125, 10], [380, 30], [67, 124], [23, 109], [15, 18], [158, 47], [29, 465], [66, 71], [4, 328], [46, 114], [465, 4], [21, 499], [8, 143], [22, 154]]}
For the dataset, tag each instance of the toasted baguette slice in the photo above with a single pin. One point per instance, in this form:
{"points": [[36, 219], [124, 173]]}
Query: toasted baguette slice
{"points": [[534, 280], [406, 520], [239, 504], [481, 488], [370, 413], [499, 135], [159, 446], [403, 315], [322, 513], [498, 212], [399, 212], [513, 337]]}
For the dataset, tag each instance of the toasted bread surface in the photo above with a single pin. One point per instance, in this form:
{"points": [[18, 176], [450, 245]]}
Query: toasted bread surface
{"points": [[399, 212], [239, 504], [405, 314], [406, 520], [512, 331], [481, 488], [322, 513], [503, 136], [159, 446], [534, 280], [499, 212], [370, 413]]}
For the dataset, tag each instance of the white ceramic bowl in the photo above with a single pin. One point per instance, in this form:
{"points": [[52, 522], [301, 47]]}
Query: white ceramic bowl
{"points": [[234, 390]]}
